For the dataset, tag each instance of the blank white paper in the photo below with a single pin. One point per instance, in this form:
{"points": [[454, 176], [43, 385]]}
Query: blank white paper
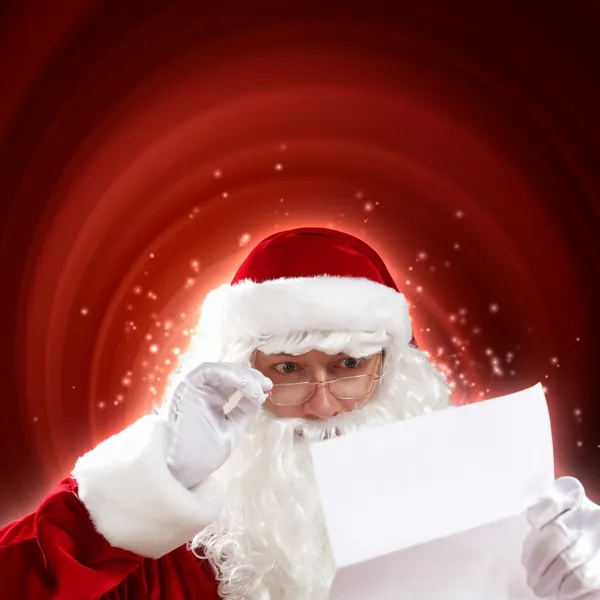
{"points": [[433, 507]]}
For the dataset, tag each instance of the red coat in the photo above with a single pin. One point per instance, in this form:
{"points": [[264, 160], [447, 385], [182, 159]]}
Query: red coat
{"points": [[56, 553], [116, 530]]}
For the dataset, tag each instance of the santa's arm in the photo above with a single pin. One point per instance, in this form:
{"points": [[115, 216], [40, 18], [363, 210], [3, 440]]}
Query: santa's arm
{"points": [[121, 506]]}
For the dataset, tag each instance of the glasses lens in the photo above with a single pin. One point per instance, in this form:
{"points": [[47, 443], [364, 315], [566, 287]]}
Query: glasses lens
{"points": [[290, 395], [351, 388]]}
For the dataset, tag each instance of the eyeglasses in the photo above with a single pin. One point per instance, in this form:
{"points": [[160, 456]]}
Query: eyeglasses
{"points": [[343, 388]]}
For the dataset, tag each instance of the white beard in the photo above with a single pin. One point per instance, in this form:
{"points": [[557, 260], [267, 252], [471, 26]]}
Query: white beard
{"points": [[270, 541]]}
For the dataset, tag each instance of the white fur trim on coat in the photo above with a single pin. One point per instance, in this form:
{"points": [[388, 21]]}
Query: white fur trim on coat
{"points": [[132, 498], [279, 307]]}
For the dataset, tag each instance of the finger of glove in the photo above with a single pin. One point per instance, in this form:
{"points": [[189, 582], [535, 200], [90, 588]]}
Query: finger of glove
{"points": [[228, 378], [583, 582], [242, 416], [543, 546], [540, 554], [564, 494]]}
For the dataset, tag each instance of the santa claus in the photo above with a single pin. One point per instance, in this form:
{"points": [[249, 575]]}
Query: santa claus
{"points": [[213, 495]]}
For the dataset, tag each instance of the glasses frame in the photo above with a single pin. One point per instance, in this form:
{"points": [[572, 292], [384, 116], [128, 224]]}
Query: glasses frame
{"points": [[315, 384]]}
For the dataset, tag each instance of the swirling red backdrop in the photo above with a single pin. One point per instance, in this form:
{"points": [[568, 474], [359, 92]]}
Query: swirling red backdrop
{"points": [[145, 148]]}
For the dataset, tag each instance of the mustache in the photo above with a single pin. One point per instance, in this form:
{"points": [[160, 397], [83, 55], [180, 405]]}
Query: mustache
{"points": [[317, 436]]}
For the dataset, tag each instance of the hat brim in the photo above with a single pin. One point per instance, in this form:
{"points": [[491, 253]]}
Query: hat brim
{"points": [[325, 303]]}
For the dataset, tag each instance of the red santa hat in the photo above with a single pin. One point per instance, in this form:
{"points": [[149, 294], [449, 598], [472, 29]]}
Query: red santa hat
{"points": [[307, 279]]}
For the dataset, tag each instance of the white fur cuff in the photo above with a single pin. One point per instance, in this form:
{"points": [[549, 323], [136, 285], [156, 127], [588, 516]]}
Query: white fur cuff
{"points": [[133, 499]]}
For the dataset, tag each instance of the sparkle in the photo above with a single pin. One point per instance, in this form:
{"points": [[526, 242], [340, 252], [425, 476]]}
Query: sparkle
{"points": [[189, 282], [217, 173], [244, 239], [554, 361], [84, 311], [579, 443], [101, 405], [577, 412], [195, 265], [151, 254], [459, 214], [456, 246], [489, 352], [126, 381], [408, 282], [452, 318], [422, 256], [494, 307], [359, 194], [225, 194], [278, 166], [137, 290], [476, 330], [151, 295], [419, 289], [168, 324], [176, 351], [369, 207], [154, 348]]}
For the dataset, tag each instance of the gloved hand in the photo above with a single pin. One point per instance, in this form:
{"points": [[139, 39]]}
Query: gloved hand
{"points": [[201, 437], [562, 552]]}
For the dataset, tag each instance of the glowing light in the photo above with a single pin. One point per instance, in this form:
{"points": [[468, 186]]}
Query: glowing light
{"points": [[494, 307], [244, 239], [459, 214], [217, 173], [154, 348], [369, 207], [84, 311]]}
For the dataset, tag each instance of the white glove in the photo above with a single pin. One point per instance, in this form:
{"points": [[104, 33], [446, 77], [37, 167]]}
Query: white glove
{"points": [[562, 552], [201, 437]]}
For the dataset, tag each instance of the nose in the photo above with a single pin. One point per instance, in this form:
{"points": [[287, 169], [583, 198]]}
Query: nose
{"points": [[322, 404]]}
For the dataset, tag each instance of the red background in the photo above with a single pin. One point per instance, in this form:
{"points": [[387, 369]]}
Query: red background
{"points": [[145, 147]]}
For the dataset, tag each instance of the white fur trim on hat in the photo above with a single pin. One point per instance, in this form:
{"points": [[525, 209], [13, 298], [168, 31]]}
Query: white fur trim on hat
{"points": [[132, 498], [325, 303]]}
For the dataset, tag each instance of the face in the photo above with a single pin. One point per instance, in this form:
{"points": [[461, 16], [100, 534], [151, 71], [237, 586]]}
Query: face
{"points": [[316, 367]]}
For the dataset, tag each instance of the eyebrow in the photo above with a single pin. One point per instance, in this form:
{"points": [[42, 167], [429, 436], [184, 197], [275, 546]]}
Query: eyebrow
{"points": [[297, 355]]}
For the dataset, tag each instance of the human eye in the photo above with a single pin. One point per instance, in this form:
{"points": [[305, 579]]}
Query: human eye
{"points": [[350, 362], [286, 368]]}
